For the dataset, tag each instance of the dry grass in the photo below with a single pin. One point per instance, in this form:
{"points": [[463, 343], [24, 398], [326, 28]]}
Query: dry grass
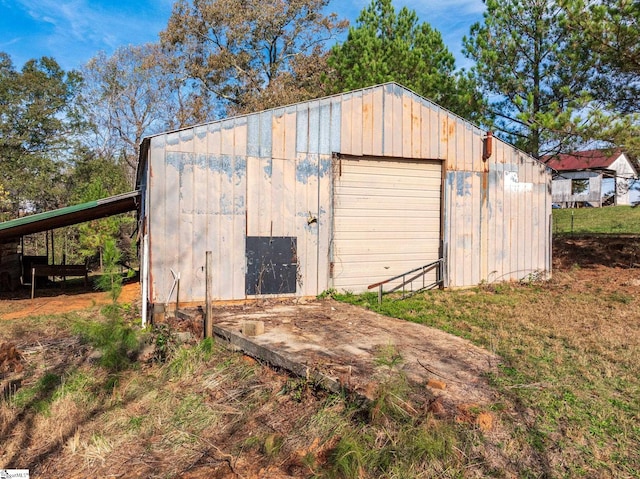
{"points": [[207, 412]]}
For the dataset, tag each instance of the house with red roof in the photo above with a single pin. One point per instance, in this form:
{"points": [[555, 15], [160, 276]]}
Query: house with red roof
{"points": [[593, 177]]}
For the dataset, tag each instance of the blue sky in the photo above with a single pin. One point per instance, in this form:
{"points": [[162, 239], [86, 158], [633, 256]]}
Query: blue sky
{"points": [[73, 31]]}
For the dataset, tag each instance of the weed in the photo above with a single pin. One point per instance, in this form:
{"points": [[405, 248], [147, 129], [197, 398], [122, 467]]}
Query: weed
{"points": [[187, 360], [135, 423], [328, 293], [296, 388], [165, 342], [272, 445], [348, 457], [388, 356], [618, 297]]}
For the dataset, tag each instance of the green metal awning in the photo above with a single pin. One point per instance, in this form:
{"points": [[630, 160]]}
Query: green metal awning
{"points": [[70, 215]]}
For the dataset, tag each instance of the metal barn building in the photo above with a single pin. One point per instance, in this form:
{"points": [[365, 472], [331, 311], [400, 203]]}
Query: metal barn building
{"points": [[340, 192]]}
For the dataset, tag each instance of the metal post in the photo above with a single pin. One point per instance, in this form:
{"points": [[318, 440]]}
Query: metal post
{"points": [[208, 315], [178, 292], [33, 282], [571, 221], [144, 266]]}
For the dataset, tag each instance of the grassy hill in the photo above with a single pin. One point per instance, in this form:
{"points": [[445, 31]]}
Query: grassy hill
{"points": [[607, 220]]}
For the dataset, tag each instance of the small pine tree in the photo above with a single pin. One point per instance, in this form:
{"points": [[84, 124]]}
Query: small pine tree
{"points": [[111, 279]]}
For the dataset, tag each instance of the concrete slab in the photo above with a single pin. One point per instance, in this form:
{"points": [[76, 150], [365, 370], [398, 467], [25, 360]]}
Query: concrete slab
{"points": [[342, 346]]}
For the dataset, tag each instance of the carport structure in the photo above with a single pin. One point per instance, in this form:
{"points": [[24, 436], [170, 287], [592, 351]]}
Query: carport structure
{"points": [[15, 266]]}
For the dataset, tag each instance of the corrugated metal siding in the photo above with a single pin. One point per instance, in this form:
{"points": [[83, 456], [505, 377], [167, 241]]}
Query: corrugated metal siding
{"points": [[386, 220], [497, 212], [270, 173], [266, 174], [197, 204]]}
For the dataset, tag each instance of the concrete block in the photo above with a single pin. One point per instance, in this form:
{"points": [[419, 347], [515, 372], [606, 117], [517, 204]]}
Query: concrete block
{"points": [[252, 328]]}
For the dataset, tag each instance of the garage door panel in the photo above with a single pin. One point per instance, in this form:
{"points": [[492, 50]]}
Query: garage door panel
{"points": [[386, 220], [388, 258], [391, 192], [385, 246], [386, 204], [391, 167], [347, 227], [406, 215], [378, 271], [419, 234], [398, 183]]}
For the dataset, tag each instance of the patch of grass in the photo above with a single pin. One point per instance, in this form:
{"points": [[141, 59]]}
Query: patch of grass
{"points": [[186, 361], [393, 445], [570, 365], [38, 397], [78, 386], [386, 437], [193, 414], [607, 220]]}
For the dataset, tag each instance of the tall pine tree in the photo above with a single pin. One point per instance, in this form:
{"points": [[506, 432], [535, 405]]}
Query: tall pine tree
{"points": [[610, 29], [386, 45], [534, 70]]}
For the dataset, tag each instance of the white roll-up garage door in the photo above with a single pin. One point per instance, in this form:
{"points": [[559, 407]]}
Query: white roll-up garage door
{"points": [[386, 219]]}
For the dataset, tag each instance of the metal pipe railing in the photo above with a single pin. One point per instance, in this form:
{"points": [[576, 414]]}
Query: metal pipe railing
{"points": [[420, 271]]}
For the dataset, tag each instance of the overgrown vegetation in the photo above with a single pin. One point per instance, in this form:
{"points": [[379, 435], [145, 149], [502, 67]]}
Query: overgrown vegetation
{"points": [[608, 220]]}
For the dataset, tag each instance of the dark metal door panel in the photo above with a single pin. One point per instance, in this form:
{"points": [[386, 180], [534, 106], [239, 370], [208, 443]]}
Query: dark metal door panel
{"points": [[272, 265]]}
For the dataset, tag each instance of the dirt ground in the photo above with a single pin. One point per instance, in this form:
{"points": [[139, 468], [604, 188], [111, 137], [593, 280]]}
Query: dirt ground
{"points": [[609, 263], [55, 301]]}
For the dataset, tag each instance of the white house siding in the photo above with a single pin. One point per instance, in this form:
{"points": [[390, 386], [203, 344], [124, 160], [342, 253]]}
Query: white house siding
{"points": [[562, 191], [271, 175], [625, 174]]}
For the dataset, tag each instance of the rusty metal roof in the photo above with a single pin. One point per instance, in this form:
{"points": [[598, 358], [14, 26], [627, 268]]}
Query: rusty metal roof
{"points": [[583, 160], [70, 215]]}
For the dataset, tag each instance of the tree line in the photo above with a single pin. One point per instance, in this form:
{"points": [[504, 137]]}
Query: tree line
{"points": [[547, 76]]}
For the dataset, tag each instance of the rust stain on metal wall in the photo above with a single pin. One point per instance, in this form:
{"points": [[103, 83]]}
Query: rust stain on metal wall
{"points": [[452, 129]]}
